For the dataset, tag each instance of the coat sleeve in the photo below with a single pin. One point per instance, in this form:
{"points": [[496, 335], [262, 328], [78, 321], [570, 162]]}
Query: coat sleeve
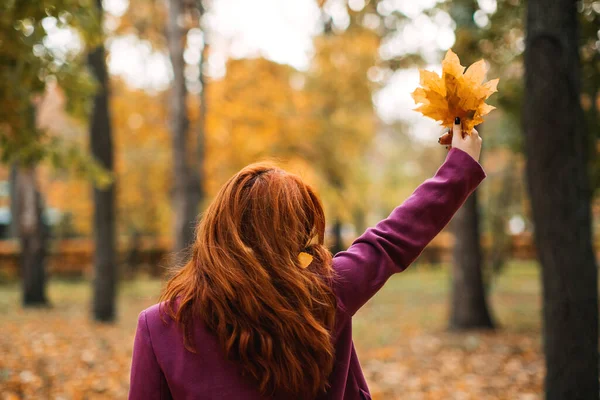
{"points": [[147, 380], [394, 243]]}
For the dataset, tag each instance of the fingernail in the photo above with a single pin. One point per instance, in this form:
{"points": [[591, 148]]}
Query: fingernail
{"points": [[457, 121]]}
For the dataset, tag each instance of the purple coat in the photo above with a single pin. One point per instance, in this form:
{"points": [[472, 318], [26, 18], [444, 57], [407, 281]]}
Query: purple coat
{"points": [[163, 369]]}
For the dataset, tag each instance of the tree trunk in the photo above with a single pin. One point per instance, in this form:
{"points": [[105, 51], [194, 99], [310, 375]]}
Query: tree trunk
{"points": [[186, 185], [556, 146], [468, 306], [105, 262], [33, 237], [469, 309], [338, 242], [500, 248], [200, 140], [13, 231]]}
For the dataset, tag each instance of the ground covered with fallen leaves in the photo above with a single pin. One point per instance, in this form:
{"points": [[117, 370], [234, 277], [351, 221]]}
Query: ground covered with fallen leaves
{"points": [[405, 350]]}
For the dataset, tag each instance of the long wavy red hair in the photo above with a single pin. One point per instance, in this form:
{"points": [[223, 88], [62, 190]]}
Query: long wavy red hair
{"points": [[244, 281]]}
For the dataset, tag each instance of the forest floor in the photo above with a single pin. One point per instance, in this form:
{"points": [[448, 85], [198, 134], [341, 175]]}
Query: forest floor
{"points": [[400, 336]]}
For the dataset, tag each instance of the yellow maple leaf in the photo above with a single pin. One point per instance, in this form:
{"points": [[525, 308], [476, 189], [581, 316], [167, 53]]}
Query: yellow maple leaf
{"points": [[456, 93]]}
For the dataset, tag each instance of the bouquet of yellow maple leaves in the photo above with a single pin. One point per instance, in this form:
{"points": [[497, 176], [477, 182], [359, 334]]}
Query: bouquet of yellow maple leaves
{"points": [[455, 94]]}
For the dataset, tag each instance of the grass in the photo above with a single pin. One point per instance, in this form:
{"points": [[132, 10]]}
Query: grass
{"points": [[418, 299], [400, 336]]}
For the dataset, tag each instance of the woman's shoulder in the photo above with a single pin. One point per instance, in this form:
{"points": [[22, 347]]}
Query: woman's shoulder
{"points": [[153, 310], [155, 315]]}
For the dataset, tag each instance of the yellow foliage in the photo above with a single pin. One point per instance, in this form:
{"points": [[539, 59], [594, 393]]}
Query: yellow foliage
{"points": [[142, 162], [143, 159], [318, 123], [251, 112], [456, 93], [342, 124]]}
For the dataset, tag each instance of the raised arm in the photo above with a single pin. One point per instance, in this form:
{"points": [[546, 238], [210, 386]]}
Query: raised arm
{"points": [[394, 243]]}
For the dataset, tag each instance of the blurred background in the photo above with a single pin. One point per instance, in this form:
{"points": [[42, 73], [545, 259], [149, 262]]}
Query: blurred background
{"points": [[119, 121]]}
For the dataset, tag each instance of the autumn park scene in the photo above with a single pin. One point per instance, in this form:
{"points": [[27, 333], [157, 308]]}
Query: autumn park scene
{"points": [[124, 123]]}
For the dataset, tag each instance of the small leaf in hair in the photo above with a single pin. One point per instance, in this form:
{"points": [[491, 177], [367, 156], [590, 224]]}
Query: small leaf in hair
{"points": [[305, 259]]}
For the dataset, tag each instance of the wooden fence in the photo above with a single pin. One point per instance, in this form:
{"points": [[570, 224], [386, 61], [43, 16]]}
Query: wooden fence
{"points": [[150, 255], [73, 258]]}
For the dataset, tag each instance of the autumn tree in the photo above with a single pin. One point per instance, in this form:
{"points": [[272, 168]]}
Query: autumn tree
{"points": [[105, 258], [556, 145], [496, 32], [166, 27], [187, 190], [499, 40], [589, 19], [468, 306], [200, 10], [319, 122], [141, 134], [255, 114], [27, 65], [342, 119]]}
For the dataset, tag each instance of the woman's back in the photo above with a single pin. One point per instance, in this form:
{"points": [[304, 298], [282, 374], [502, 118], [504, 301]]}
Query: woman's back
{"points": [[207, 374], [163, 366]]}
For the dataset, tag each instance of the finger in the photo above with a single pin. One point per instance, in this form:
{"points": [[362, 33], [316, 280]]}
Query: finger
{"points": [[457, 128], [445, 139]]}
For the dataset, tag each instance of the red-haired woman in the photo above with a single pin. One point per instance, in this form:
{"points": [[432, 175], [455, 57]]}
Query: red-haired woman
{"points": [[247, 318]]}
